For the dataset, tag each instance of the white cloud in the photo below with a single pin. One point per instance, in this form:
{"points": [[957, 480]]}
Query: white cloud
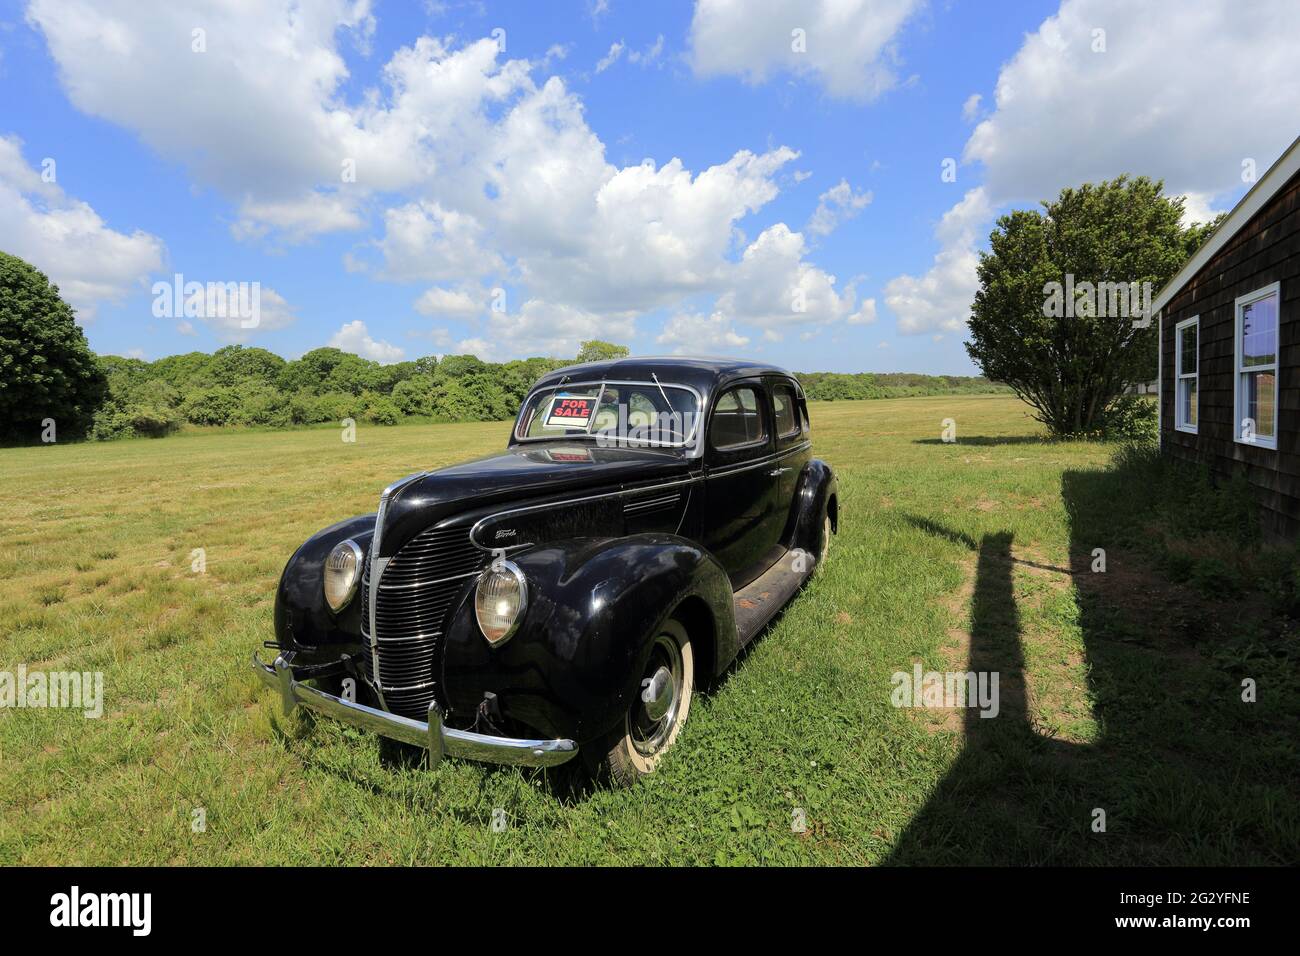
{"points": [[610, 58], [355, 337], [941, 299], [838, 204], [453, 303], [644, 237], [1066, 115], [1067, 111], [67, 240], [970, 110], [311, 214], [135, 65], [699, 334], [847, 48], [497, 179], [273, 313], [773, 286], [424, 241], [649, 55], [544, 328], [865, 315]]}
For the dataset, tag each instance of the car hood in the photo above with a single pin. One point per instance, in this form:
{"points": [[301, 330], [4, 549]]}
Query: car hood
{"points": [[544, 469]]}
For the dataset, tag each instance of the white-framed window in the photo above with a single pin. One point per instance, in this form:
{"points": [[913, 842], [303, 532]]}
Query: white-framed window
{"points": [[1255, 351], [1187, 373]]}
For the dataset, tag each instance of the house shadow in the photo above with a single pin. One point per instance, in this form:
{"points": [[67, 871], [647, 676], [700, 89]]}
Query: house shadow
{"points": [[1178, 770]]}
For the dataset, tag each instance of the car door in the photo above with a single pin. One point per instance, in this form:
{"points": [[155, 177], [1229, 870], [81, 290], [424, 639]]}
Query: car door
{"points": [[790, 423], [740, 488]]}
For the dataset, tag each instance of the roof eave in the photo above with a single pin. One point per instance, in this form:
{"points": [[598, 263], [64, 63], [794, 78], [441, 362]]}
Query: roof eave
{"points": [[1278, 175]]}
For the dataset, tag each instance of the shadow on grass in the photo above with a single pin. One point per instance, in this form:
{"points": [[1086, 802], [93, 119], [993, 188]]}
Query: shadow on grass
{"points": [[1184, 770]]}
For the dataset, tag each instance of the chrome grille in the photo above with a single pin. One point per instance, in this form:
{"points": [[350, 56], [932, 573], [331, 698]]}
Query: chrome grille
{"points": [[414, 596]]}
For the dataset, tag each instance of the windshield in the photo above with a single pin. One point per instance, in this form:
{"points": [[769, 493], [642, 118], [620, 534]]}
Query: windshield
{"points": [[616, 413]]}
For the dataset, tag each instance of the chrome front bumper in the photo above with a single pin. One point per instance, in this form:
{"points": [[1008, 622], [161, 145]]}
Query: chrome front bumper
{"points": [[432, 736]]}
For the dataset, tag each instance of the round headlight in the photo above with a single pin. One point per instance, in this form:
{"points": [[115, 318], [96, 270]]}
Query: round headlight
{"points": [[342, 572], [499, 601]]}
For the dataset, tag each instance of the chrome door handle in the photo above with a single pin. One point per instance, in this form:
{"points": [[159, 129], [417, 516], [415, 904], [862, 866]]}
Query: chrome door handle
{"points": [[777, 471]]}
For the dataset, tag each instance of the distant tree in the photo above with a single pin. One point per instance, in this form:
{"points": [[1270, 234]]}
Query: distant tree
{"points": [[356, 375], [180, 371], [1072, 359], [211, 405], [261, 404], [594, 350], [237, 363], [379, 409], [455, 366], [414, 396], [47, 370], [311, 371], [398, 372]]}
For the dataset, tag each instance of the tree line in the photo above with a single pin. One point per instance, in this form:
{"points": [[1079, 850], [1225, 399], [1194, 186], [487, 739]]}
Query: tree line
{"points": [[50, 378], [239, 385]]}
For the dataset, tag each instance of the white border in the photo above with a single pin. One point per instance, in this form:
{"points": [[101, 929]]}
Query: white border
{"points": [[1179, 375], [1274, 288]]}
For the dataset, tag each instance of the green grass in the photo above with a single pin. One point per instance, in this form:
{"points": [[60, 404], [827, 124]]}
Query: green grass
{"points": [[947, 554]]}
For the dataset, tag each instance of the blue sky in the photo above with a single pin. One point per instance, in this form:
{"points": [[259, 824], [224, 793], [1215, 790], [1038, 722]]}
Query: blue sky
{"points": [[810, 176]]}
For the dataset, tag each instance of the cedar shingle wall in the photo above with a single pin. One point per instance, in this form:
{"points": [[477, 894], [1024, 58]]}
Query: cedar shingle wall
{"points": [[1265, 251]]}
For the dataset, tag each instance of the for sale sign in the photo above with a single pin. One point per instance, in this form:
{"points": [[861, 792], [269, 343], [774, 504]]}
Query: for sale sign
{"points": [[571, 411]]}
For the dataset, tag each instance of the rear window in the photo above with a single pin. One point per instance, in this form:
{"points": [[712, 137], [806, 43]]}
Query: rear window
{"points": [[787, 411]]}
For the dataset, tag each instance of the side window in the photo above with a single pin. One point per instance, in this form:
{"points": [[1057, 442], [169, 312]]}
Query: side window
{"points": [[736, 420], [787, 411]]}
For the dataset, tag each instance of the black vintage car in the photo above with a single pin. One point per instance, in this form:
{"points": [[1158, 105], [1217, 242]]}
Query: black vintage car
{"points": [[646, 519]]}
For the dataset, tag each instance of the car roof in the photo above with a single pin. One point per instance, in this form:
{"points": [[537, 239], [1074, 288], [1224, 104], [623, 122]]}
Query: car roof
{"points": [[703, 374]]}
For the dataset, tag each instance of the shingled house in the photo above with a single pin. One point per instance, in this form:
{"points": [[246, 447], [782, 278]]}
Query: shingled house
{"points": [[1230, 348]]}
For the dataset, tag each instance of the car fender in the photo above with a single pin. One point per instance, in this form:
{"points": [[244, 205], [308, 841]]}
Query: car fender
{"points": [[816, 494], [303, 621], [594, 605]]}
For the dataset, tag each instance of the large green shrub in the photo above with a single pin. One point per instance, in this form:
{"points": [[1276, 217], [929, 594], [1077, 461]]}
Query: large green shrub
{"points": [[414, 396], [47, 370], [212, 405]]}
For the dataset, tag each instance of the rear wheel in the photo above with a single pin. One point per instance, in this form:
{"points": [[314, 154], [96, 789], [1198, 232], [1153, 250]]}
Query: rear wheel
{"points": [[658, 711], [826, 543]]}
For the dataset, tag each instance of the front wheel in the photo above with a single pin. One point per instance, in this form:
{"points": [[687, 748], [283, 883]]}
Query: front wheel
{"points": [[658, 711]]}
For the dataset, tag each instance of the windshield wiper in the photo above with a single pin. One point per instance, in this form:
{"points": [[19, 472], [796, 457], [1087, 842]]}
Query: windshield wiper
{"points": [[663, 393]]}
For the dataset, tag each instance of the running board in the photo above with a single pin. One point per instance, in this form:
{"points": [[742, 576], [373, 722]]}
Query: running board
{"points": [[757, 602]]}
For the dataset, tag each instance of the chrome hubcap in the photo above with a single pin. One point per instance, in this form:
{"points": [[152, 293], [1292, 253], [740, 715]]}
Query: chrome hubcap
{"points": [[657, 693], [651, 722]]}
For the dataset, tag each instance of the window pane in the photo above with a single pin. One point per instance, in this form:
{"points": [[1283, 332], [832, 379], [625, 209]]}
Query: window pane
{"points": [[1259, 333], [539, 419], [1187, 402], [736, 419], [1187, 351], [642, 413], [1259, 402], [783, 402]]}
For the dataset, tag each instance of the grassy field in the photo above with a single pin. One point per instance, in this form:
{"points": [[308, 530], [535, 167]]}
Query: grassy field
{"points": [[1114, 694]]}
